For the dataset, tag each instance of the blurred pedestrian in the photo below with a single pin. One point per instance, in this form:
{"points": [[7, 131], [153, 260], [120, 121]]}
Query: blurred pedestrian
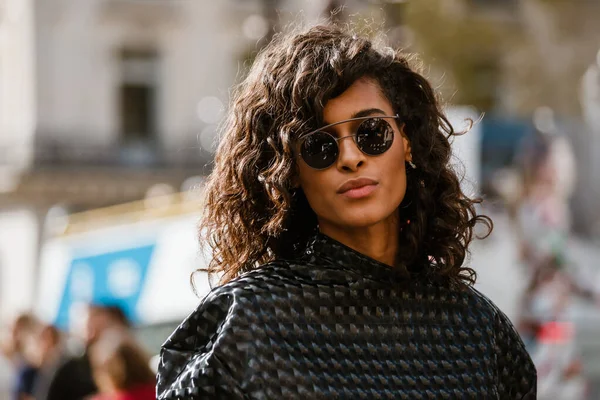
{"points": [[543, 222], [339, 229], [121, 369], [544, 225], [73, 379], [18, 349], [543, 216], [50, 356]]}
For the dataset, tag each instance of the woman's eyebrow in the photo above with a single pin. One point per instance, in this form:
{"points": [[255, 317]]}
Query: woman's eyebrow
{"points": [[367, 112], [359, 114]]}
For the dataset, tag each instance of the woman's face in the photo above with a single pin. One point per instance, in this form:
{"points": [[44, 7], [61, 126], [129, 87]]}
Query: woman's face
{"points": [[370, 205]]}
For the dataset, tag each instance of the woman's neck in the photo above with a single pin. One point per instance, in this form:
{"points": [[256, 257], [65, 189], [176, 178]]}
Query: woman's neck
{"points": [[379, 242]]}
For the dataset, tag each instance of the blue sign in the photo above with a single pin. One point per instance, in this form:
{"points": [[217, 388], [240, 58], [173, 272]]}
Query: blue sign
{"points": [[113, 278]]}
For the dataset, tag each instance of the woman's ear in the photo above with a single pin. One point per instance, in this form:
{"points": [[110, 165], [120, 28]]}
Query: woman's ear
{"points": [[406, 143], [408, 154]]}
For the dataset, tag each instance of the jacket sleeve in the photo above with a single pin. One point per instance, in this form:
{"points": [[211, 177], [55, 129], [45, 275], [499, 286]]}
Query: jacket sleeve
{"points": [[201, 359], [516, 372]]}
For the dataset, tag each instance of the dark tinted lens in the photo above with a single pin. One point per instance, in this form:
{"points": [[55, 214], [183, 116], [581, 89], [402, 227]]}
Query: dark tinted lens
{"points": [[374, 136], [319, 150]]}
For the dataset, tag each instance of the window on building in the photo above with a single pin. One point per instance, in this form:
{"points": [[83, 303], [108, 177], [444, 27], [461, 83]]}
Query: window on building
{"points": [[138, 95]]}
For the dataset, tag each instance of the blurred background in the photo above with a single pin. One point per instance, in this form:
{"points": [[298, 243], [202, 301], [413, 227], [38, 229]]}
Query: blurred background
{"points": [[108, 117]]}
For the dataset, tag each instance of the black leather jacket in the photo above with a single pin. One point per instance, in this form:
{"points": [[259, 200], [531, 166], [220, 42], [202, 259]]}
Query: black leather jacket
{"points": [[337, 324]]}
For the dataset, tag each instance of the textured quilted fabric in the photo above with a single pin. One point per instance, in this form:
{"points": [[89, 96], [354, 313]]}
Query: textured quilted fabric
{"points": [[336, 324]]}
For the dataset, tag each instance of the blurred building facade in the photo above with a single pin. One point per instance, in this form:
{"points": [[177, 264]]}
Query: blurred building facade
{"points": [[108, 101], [104, 98]]}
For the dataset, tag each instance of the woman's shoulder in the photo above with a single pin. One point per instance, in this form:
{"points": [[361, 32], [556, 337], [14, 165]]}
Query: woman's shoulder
{"points": [[267, 278], [482, 302], [452, 291], [516, 370], [219, 328], [225, 302], [495, 319], [267, 273], [462, 300]]}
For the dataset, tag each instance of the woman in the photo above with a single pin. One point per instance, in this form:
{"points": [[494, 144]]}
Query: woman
{"points": [[339, 230], [121, 369]]}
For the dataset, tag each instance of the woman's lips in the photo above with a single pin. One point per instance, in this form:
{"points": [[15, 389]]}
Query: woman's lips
{"points": [[360, 192]]}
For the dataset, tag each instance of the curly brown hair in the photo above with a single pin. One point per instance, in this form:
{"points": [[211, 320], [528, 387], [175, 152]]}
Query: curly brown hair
{"points": [[254, 215]]}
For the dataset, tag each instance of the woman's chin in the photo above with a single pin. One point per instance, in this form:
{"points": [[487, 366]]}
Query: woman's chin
{"points": [[358, 221]]}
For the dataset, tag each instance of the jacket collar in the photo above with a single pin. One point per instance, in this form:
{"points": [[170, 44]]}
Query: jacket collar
{"points": [[323, 249]]}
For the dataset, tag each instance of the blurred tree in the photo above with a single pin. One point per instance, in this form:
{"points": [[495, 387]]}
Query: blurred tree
{"points": [[558, 41], [513, 55], [467, 47]]}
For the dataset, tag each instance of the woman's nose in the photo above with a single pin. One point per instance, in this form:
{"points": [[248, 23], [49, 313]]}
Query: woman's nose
{"points": [[350, 157]]}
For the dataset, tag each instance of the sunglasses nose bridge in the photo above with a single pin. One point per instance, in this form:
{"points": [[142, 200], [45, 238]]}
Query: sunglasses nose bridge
{"points": [[350, 154], [338, 140]]}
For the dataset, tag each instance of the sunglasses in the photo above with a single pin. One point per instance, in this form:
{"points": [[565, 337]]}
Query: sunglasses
{"points": [[320, 149]]}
